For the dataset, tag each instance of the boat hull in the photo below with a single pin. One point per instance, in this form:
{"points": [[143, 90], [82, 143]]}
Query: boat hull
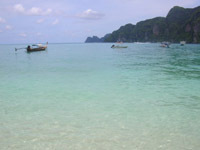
{"points": [[119, 47], [36, 49]]}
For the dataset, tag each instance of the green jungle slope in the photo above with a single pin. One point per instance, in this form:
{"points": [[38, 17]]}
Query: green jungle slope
{"points": [[180, 24]]}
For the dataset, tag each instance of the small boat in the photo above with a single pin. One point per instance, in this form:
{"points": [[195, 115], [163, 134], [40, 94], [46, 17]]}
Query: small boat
{"points": [[182, 43], [118, 46], [165, 44], [36, 47]]}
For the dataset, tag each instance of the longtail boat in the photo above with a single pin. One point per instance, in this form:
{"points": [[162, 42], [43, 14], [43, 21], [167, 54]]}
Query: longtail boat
{"points": [[36, 47]]}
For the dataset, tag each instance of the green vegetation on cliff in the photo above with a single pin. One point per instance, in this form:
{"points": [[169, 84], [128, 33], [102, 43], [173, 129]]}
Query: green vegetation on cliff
{"points": [[180, 24]]}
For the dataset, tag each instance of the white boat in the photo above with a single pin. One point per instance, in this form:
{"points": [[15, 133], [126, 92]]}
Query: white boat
{"points": [[165, 44], [119, 46], [182, 43]]}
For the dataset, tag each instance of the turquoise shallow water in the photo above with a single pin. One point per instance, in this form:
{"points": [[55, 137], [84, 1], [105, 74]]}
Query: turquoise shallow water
{"points": [[92, 97]]}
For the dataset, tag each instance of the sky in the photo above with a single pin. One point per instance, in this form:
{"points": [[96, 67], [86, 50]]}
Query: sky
{"points": [[68, 21]]}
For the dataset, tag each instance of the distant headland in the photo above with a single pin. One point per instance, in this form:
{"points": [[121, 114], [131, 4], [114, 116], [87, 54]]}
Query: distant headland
{"points": [[180, 24]]}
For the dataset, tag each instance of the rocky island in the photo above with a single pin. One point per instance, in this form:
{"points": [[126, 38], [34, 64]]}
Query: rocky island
{"points": [[180, 24]]}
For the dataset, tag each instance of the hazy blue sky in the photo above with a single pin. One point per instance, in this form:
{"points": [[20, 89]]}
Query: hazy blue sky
{"points": [[32, 21]]}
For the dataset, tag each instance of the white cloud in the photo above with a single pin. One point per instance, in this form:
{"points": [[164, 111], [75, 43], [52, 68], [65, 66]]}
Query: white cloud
{"points": [[23, 34], [47, 12], [40, 21], [37, 11], [1, 31], [55, 22], [19, 8], [8, 27], [90, 14], [2, 20]]}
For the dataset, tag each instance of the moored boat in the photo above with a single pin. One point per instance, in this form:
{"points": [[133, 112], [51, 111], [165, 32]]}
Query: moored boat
{"points": [[182, 43], [36, 47], [165, 44], [118, 46]]}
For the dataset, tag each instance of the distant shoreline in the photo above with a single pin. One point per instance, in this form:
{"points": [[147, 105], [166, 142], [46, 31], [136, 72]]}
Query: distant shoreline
{"points": [[180, 24]]}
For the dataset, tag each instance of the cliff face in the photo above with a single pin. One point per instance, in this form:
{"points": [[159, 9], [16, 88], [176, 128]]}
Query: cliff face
{"points": [[93, 39], [125, 33], [183, 24], [180, 24], [96, 39]]}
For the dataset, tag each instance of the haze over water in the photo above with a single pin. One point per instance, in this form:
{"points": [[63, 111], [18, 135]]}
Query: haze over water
{"points": [[92, 97]]}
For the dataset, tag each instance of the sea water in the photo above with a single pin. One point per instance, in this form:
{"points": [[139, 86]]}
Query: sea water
{"points": [[92, 97]]}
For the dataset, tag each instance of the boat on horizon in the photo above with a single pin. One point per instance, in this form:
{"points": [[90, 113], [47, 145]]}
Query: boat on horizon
{"points": [[165, 44], [182, 43], [119, 46], [34, 47]]}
